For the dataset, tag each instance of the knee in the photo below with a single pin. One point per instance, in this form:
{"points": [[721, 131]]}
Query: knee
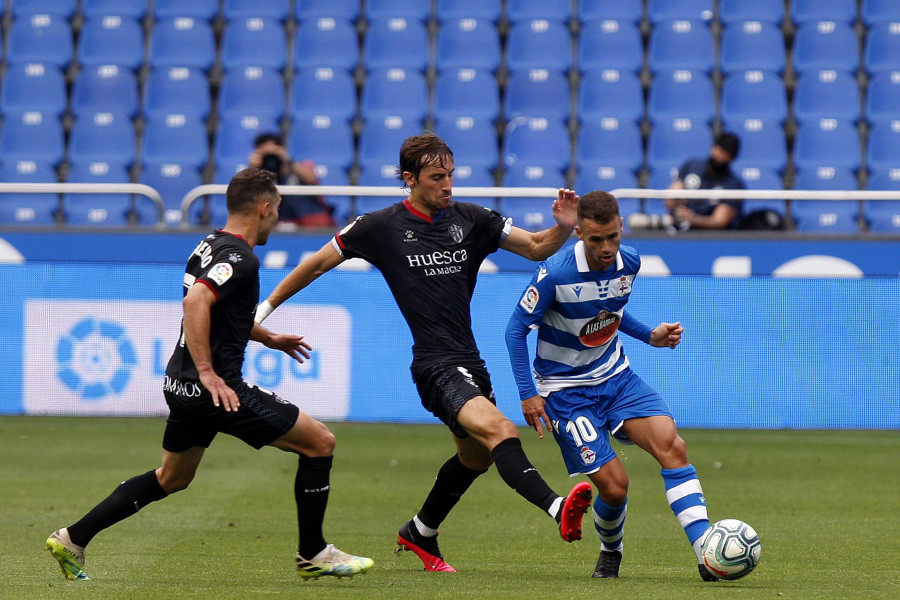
{"points": [[674, 454], [614, 491], [476, 459], [322, 444], [174, 482]]}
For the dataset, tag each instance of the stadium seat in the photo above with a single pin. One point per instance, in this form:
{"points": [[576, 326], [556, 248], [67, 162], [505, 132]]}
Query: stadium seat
{"points": [[610, 44], [803, 11], [252, 91], [379, 141], [762, 179], [172, 181], [883, 147], [234, 137], [531, 214], [467, 44], [667, 10], [394, 92], [660, 179], [825, 45], [323, 140], [828, 143], [473, 141], [631, 11], [27, 8], [538, 44], [182, 42], [380, 175], [135, 9], [326, 42], [176, 138], [883, 216], [111, 40], [526, 10], [466, 93], [489, 10], [610, 143], [826, 216], [671, 144], [537, 93], [877, 11], [254, 42], [465, 175], [882, 48], [212, 210], [263, 9], [323, 91], [40, 38], [609, 93], [342, 206], [737, 11], [33, 87], [28, 209], [106, 210], [407, 9], [826, 95], [754, 95], [105, 88], [103, 137], [336, 9], [680, 45], [536, 141], [752, 45], [763, 145], [33, 136], [681, 94], [607, 179], [198, 9], [883, 97], [396, 42], [177, 90]]}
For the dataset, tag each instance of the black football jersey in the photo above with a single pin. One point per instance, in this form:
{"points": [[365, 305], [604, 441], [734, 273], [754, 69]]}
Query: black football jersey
{"points": [[227, 265], [431, 266]]}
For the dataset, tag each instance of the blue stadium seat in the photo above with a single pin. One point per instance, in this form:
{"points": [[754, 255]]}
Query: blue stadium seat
{"points": [[826, 216], [803, 11], [752, 45], [182, 42], [526, 10], [826, 95], [265, 9], [335, 9], [467, 43], [631, 11], [536, 141], [660, 179], [681, 94], [762, 179], [254, 42], [379, 142], [671, 144], [538, 44], [342, 206], [381, 175], [608, 93], [883, 147], [737, 11], [876, 11], [106, 88], [537, 93], [28, 209], [680, 45], [883, 97], [763, 145], [33, 87], [754, 95], [252, 91], [172, 181], [408, 9], [26, 8], [136, 9], [531, 214], [466, 93], [394, 92], [323, 91], [326, 42], [882, 48], [105, 210], [396, 42], [667, 10], [198, 9], [111, 40], [465, 175], [40, 38], [473, 141], [610, 44], [607, 179], [103, 137], [212, 210], [176, 138], [828, 143], [323, 140], [489, 10], [820, 45], [235, 135], [883, 216], [32, 136], [610, 143], [177, 90]]}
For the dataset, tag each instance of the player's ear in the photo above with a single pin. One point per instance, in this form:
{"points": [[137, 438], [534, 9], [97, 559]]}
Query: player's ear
{"points": [[409, 179], [578, 231]]}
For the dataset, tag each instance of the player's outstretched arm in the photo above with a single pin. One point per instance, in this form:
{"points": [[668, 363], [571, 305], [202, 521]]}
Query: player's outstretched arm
{"points": [[291, 344], [309, 269], [541, 245], [666, 335]]}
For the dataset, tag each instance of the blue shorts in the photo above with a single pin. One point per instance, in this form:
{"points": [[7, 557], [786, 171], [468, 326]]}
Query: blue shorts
{"points": [[584, 417]]}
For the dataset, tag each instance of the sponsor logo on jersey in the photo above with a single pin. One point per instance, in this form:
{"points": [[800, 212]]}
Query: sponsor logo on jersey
{"points": [[456, 232], [600, 329], [220, 273], [530, 299], [588, 456]]}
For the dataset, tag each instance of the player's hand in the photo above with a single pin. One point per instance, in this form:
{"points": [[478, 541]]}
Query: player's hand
{"points": [[666, 335], [290, 344], [222, 395], [533, 411], [565, 208]]}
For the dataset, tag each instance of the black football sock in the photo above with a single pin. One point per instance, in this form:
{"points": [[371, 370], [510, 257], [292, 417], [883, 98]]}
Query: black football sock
{"points": [[452, 481], [127, 499], [520, 475], [311, 492]]}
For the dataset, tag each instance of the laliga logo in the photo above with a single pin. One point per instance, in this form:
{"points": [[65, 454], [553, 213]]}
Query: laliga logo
{"points": [[95, 358]]}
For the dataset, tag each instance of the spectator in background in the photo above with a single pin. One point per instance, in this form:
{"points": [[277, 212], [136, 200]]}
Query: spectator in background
{"points": [[270, 154], [713, 173]]}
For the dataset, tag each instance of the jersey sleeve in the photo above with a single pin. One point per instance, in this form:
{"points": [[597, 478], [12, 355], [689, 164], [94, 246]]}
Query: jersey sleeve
{"points": [[527, 315], [633, 327], [496, 228], [229, 269], [353, 241]]}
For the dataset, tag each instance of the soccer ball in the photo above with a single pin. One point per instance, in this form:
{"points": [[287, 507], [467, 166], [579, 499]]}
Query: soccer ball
{"points": [[730, 549]]}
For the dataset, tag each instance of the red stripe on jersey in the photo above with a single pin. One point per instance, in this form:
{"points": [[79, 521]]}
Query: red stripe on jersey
{"points": [[416, 212], [210, 286]]}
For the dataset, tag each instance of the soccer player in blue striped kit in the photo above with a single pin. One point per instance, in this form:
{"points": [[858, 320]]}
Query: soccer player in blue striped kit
{"points": [[586, 391]]}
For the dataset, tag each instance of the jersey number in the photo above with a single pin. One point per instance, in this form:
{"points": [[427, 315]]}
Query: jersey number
{"points": [[581, 430]]}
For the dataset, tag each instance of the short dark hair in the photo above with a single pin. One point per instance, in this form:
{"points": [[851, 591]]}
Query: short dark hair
{"points": [[247, 187], [598, 206], [730, 143], [268, 136], [418, 151]]}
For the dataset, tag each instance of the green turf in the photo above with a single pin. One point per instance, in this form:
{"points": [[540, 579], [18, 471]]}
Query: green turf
{"points": [[826, 506]]}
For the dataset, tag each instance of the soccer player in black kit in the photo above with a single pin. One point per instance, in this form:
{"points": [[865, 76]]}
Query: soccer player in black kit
{"points": [[429, 249], [206, 393]]}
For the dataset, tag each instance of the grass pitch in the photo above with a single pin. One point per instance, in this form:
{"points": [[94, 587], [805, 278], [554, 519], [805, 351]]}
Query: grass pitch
{"points": [[825, 504]]}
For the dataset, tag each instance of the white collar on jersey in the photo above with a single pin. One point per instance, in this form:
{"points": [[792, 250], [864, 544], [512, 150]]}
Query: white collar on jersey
{"points": [[582, 262]]}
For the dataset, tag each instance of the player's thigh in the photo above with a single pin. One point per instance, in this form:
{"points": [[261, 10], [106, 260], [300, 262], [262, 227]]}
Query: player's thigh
{"points": [[481, 419], [658, 435], [308, 436]]}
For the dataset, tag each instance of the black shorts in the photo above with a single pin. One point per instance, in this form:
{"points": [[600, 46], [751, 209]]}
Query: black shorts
{"points": [[445, 387], [194, 420]]}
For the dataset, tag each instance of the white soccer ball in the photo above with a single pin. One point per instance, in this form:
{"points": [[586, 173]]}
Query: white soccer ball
{"points": [[730, 549]]}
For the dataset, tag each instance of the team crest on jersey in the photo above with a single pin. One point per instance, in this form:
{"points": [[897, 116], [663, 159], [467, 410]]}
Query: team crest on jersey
{"points": [[530, 299], [456, 232], [220, 273], [620, 287], [588, 456], [600, 329]]}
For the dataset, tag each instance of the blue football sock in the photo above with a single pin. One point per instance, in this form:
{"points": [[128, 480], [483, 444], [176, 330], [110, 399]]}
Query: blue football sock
{"points": [[609, 521], [685, 497]]}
